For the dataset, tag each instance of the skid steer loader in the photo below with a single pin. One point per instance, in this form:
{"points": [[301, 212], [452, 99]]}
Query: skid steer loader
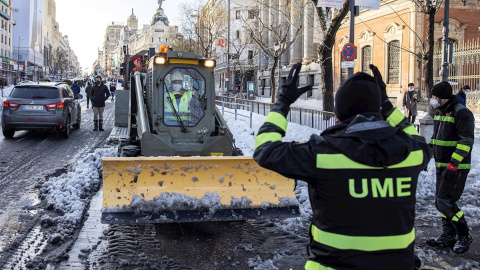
{"points": [[177, 161]]}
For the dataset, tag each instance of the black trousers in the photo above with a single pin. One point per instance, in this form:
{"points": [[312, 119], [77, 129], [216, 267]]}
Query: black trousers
{"points": [[411, 118], [446, 196]]}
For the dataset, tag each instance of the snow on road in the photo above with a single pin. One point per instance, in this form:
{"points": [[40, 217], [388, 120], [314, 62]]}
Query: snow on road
{"points": [[67, 192]]}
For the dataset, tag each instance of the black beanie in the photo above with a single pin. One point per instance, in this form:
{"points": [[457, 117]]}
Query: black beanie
{"points": [[358, 94], [442, 90]]}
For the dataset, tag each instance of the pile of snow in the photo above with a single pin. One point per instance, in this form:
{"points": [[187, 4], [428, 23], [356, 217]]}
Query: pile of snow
{"points": [[69, 194], [310, 104]]}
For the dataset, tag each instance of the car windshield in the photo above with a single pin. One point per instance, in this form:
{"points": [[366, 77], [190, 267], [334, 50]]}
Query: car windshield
{"points": [[35, 93], [183, 89]]}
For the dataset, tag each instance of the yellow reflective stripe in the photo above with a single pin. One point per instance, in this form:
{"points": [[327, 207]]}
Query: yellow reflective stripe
{"points": [[410, 130], [460, 166], [395, 118], [457, 157], [267, 137], [444, 118], [340, 161], [457, 216], [363, 243], [443, 215], [463, 147], [311, 265], [444, 143], [277, 119]]}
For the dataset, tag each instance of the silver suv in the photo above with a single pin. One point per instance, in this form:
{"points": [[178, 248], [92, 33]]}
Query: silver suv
{"points": [[41, 106]]}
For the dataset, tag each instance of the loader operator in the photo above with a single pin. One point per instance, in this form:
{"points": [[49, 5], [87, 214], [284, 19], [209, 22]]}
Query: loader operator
{"points": [[185, 102], [361, 173]]}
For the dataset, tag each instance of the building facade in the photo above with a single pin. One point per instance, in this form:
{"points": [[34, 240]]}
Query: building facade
{"points": [[393, 38], [7, 67]]}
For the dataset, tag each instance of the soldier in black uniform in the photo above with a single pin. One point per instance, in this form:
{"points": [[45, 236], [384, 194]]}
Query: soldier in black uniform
{"points": [[452, 142], [361, 173]]}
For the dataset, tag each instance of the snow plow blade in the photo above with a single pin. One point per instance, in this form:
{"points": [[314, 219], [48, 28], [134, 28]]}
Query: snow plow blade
{"points": [[193, 189]]}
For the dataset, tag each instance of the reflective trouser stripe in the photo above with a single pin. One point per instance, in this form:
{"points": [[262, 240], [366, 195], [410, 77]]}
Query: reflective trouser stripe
{"points": [[460, 166], [267, 137], [395, 118], [363, 243], [457, 216], [311, 265], [277, 119]]}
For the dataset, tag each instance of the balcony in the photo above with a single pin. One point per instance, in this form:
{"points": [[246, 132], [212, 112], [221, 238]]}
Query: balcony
{"points": [[4, 14], [4, 2]]}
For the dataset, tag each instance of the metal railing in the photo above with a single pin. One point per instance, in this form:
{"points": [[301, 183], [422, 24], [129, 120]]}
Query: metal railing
{"points": [[312, 118], [235, 107]]}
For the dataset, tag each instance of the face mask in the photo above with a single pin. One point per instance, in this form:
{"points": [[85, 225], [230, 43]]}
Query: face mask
{"points": [[411, 89], [176, 87], [466, 92], [434, 102], [98, 82]]}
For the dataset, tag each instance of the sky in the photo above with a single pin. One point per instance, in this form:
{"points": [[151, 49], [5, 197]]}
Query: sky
{"points": [[85, 21]]}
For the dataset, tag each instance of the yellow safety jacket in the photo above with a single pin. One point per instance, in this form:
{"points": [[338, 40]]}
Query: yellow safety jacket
{"points": [[362, 179], [182, 107]]}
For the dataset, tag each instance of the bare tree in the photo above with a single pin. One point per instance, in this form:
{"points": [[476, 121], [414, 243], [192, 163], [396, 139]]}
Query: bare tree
{"points": [[330, 21], [206, 21], [274, 29]]}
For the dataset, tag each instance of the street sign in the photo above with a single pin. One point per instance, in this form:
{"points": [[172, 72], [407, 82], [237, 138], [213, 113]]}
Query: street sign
{"points": [[349, 52], [368, 4], [330, 3], [4, 75], [349, 64], [226, 75]]}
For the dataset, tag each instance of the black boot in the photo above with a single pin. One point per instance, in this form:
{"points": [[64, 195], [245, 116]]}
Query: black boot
{"points": [[100, 125], [463, 236], [448, 237], [95, 125]]}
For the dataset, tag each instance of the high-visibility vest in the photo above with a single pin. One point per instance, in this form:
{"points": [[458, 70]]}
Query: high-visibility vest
{"points": [[182, 107]]}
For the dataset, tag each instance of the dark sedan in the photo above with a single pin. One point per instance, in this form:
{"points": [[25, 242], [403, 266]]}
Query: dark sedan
{"points": [[33, 106]]}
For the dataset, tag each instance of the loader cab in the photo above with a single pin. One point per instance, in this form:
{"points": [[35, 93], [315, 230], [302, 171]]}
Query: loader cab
{"points": [[180, 102], [184, 90]]}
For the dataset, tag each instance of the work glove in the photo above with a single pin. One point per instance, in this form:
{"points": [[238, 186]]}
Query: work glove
{"points": [[450, 174], [290, 92], [381, 84]]}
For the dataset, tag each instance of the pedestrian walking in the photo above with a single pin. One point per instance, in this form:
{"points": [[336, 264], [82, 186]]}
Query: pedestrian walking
{"points": [[113, 88], [452, 142], [410, 99], [362, 175], [75, 88], [99, 95], [462, 94], [88, 91]]}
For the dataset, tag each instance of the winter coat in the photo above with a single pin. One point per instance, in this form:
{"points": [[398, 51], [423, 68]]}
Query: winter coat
{"points": [[88, 91], [462, 98], [362, 179], [99, 95], [410, 102], [453, 135], [113, 88], [76, 89]]}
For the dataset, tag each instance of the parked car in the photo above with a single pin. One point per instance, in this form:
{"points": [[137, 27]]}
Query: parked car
{"points": [[33, 106]]}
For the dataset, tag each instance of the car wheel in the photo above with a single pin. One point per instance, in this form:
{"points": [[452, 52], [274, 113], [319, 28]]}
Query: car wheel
{"points": [[8, 133], [79, 120], [66, 129]]}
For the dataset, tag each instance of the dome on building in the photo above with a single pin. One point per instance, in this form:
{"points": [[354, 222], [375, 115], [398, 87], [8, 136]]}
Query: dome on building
{"points": [[160, 17]]}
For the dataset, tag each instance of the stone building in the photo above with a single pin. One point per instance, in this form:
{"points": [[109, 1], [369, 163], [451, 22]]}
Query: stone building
{"points": [[394, 36]]}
